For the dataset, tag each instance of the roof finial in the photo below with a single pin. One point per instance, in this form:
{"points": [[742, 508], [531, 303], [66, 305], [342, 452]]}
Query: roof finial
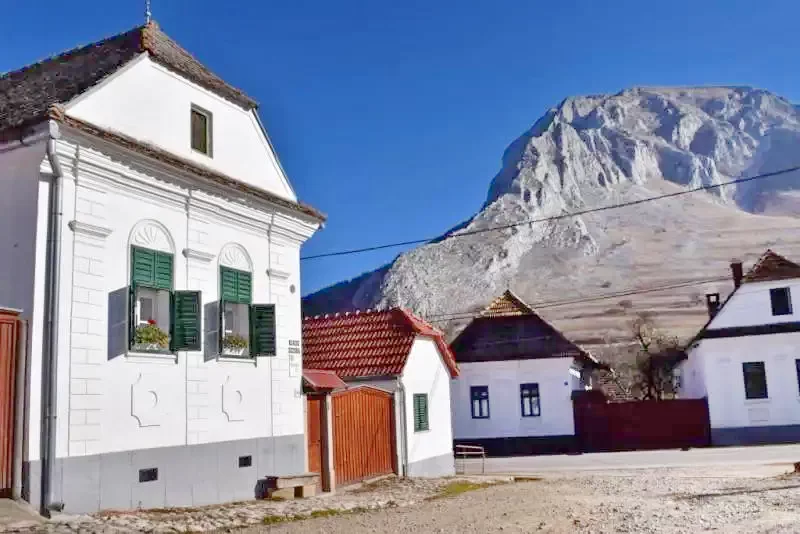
{"points": [[148, 15]]}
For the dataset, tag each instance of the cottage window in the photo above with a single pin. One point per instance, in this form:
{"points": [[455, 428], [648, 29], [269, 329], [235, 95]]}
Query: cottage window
{"points": [[420, 412], [781, 299], [797, 368], [480, 401], [246, 329], [755, 380], [201, 130], [160, 319], [529, 397]]}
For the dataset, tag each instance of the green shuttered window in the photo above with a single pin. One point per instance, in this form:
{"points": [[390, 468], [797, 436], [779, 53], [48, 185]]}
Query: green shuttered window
{"points": [[262, 330], [154, 306], [420, 412]]}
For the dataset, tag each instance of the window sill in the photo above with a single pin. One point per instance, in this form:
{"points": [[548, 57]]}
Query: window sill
{"points": [[248, 360], [758, 401], [152, 357]]}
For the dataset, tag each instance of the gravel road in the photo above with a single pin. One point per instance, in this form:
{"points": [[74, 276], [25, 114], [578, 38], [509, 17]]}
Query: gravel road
{"points": [[739, 500]]}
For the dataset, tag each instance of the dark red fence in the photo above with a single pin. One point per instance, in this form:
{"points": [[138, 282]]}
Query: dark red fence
{"points": [[602, 426]]}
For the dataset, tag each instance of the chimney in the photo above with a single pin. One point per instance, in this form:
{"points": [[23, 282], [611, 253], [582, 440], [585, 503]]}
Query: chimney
{"points": [[712, 301], [736, 271]]}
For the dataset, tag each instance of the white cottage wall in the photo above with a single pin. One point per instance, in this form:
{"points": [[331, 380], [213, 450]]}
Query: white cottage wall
{"points": [[429, 452], [150, 103], [735, 419], [505, 413]]}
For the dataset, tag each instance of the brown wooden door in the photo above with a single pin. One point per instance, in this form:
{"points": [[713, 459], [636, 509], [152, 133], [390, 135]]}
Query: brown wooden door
{"points": [[363, 434], [314, 416], [8, 353]]}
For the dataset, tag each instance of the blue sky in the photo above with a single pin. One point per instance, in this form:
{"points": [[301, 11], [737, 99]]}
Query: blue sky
{"points": [[391, 117]]}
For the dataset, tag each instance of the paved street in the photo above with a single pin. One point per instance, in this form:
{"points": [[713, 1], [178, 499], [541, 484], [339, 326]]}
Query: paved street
{"points": [[729, 456]]}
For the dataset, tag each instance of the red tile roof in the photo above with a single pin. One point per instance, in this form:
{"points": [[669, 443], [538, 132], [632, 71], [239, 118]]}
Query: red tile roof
{"points": [[318, 379], [367, 344]]}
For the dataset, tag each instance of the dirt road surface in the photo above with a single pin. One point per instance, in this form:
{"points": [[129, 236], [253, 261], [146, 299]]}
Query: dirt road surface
{"points": [[735, 500]]}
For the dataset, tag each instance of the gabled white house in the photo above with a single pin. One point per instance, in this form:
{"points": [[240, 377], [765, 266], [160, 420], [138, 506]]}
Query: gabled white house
{"points": [[518, 374], [746, 359], [395, 351], [151, 239]]}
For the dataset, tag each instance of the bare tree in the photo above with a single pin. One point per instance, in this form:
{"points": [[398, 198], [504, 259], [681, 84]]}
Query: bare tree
{"points": [[657, 357]]}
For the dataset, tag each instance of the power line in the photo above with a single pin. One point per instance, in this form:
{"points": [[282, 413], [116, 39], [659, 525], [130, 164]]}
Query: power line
{"points": [[455, 316], [554, 217]]}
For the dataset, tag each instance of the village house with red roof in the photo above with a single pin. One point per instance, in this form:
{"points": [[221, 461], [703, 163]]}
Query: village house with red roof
{"points": [[397, 352], [746, 359]]}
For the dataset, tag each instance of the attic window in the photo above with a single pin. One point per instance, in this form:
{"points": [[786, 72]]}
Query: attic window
{"points": [[201, 130], [781, 300]]}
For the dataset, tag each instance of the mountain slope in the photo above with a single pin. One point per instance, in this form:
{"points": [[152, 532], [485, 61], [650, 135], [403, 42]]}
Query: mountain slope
{"points": [[602, 150]]}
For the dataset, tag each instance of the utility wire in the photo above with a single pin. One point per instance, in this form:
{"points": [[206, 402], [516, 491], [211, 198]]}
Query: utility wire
{"points": [[455, 316], [554, 217]]}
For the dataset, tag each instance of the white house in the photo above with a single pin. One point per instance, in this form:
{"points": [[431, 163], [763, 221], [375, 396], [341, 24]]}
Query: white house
{"points": [[151, 239], [518, 374], [746, 359], [395, 351]]}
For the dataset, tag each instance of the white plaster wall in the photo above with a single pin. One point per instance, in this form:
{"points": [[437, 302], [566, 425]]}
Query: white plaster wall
{"points": [[425, 372], [750, 305], [504, 379], [150, 103], [721, 360], [24, 197], [111, 400]]}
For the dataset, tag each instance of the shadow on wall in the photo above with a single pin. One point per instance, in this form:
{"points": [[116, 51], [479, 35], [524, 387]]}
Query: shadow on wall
{"points": [[117, 322]]}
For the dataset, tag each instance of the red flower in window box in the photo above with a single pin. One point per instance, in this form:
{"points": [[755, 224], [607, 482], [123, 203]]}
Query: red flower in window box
{"points": [[151, 321]]}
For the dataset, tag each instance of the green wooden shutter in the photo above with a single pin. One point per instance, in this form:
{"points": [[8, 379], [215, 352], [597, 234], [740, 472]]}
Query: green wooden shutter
{"points": [[163, 271], [262, 330], [131, 315], [227, 283], [244, 287], [186, 314], [151, 269], [143, 266], [235, 286], [420, 412]]}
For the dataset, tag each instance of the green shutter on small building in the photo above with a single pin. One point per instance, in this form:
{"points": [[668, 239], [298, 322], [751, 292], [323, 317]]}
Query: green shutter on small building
{"points": [[262, 330], [150, 268], [186, 315], [235, 286], [420, 412]]}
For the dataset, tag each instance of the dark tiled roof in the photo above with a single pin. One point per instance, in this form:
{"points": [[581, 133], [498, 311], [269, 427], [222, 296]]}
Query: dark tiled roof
{"points": [[509, 329], [27, 94], [770, 267], [153, 152], [367, 344]]}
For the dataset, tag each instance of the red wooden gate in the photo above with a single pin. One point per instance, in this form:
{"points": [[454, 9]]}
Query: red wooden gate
{"points": [[623, 426], [363, 434], [9, 329], [314, 433]]}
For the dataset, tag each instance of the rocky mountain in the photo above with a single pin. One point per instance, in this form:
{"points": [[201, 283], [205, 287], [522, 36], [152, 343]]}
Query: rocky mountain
{"points": [[601, 150]]}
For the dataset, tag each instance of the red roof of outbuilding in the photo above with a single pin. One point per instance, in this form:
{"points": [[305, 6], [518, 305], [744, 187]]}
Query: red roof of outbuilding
{"points": [[319, 379], [367, 344]]}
